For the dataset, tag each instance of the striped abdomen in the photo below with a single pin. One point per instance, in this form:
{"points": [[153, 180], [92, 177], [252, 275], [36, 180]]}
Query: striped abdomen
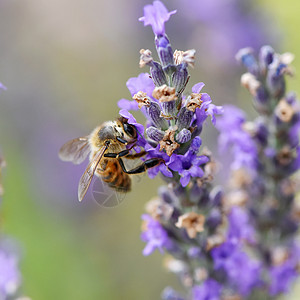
{"points": [[110, 171]]}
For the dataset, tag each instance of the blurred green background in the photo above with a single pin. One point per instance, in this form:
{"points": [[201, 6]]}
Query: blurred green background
{"points": [[65, 64]]}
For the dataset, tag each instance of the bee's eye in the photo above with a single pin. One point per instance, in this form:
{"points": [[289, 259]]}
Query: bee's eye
{"points": [[130, 130]]}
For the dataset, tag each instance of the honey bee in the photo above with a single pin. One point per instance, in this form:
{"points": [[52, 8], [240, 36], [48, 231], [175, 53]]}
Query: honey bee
{"points": [[106, 146]]}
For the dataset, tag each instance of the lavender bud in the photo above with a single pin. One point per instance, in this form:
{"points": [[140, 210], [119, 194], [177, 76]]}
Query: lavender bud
{"points": [[157, 74], [166, 195], [154, 133], [266, 56], [184, 118], [214, 219], [164, 50], [262, 131], [216, 196], [275, 79], [262, 95], [169, 109], [153, 112], [180, 77], [246, 57], [183, 136]]}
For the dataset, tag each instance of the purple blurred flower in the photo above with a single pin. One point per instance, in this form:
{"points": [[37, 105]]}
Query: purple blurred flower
{"points": [[10, 278], [282, 277], [156, 15], [240, 226], [208, 290], [232, 135], [232, 260], [155, 236]]}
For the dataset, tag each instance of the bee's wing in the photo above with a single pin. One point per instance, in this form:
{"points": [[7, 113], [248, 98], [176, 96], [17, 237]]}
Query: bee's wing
{"points": [[75, 150], [88, 174]]}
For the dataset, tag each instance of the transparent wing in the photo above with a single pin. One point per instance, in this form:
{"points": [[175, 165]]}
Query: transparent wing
{"points": [[75, 150], [88, 174]]}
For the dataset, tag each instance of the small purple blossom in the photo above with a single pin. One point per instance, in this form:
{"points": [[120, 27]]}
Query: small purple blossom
{"points": [[207, 108], [208, 290], [188, 165], [156, 15], [155, 236], [141, 83]]}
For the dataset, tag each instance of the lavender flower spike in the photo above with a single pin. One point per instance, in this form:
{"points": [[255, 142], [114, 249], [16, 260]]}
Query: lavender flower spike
{"points": [[237, 240], [156, 15]]}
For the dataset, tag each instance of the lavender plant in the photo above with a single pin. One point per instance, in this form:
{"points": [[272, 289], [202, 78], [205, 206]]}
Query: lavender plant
{"points": [[237, 241]]}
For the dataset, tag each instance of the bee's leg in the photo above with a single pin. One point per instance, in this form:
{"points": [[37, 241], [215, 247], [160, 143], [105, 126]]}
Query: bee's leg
{"points": [[117, 155], [126, 153], [122, 140], [136, 155], [147, 164]]}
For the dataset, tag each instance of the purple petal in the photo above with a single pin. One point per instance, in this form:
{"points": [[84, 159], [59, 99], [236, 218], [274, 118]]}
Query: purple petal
{"points": [[198, 87], [165, 171], [128, 104], [185, 178], [148, 249], [195, 171], [156, 15], [175, 163], [141, 83], [152, 173], [214, 110], [205, 98], [200, 160]]}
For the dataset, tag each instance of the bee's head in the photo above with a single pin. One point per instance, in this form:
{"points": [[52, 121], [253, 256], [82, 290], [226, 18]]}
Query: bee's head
{"points": [[129, 129], [116, 132]]}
